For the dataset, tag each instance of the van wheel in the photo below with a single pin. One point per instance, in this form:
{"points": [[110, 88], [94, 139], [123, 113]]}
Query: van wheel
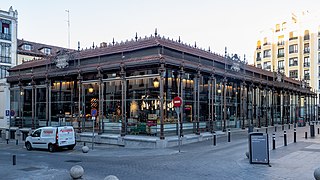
{"points": [[51, 148], [71, 147], [28, 146]]}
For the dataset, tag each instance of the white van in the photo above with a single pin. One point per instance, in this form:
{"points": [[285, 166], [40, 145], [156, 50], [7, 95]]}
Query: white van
{"points": [[51, 138]]}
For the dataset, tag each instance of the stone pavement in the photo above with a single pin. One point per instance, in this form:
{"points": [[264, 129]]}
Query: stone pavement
{"points": [[295, 161]]}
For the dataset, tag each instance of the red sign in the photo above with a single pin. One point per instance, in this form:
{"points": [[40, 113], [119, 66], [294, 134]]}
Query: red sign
{"points": [[177, 101]]}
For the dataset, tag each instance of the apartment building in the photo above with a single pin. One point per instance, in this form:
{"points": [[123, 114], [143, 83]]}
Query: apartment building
{"points": [[8, 59], [292, 47]]}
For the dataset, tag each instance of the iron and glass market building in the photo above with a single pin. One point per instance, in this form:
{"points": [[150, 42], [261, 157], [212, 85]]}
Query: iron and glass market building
{"points": [[130, 86]]}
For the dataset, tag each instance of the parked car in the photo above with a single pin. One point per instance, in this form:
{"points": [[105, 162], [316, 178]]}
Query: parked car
{"points": [[51, 138]]}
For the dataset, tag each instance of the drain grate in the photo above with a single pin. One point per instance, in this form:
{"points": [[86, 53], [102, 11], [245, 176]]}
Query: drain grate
{"points": [[30, 169], [73, 161]]}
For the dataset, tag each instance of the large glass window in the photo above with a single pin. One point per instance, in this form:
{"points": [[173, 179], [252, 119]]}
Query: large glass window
{"points": [[5, 53], [267, 53], [4, 71], [293, 61], [280, 65], [293, 74], [293, 48], [306, 61]]}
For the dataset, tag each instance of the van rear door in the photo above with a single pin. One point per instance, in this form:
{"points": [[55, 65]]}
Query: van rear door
{"points": [[66, 136]]}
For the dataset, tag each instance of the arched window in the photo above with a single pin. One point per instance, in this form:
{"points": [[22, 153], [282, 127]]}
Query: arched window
{"points": [[259, 44], [277, 27], [306, 35]]}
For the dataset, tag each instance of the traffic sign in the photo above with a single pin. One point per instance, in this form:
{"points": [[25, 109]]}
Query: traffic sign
{"points": [[93, 112], [12, 112], [177, 101]]}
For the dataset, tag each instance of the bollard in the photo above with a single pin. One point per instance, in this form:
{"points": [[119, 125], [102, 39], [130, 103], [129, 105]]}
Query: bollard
{"points": [[229, 138], [318, 131], [282, 127], [84, 143], [214, 139], [285, 138], [294, 136], [16, 141], [14, 160], [306, 135], [275, 129], [289, 126], [266, 130], [273, 141]]}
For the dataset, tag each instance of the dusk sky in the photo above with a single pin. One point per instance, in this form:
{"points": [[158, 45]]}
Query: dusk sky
{"points": [[234, 24]]}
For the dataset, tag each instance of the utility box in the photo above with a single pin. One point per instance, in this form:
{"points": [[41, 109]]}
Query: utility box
{"points": [[258, 148]]}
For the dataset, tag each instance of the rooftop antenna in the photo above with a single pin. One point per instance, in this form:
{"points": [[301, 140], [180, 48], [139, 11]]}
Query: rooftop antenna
{"points": [[155, 33], [68, 27], [136, 36], [78, 45]]}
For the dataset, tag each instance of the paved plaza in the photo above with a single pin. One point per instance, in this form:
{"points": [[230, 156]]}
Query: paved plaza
{"points": [[199, 160]]}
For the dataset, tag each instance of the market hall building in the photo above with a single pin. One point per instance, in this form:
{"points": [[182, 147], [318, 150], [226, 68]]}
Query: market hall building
{"points": [[129, 88]]}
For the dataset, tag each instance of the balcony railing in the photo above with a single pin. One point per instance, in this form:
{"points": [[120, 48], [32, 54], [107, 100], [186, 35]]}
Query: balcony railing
{"points": [[280, 55], [267, 43], [294, 64], [258, 47], [306, 51], [5, 36], [293, 38], [307, 77], [293, 51], [258, 59], [280, 43], [306, 64], [306, 37]]}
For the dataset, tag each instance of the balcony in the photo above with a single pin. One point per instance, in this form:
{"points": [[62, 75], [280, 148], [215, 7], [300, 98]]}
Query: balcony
{"points": [[306, 37], [293, 38], [307, 77], [5, 36], [294, 64], [280, 43], [280, 55], [306, 64], [258, 59], [267, 43], [306, 51], [258, 47]]}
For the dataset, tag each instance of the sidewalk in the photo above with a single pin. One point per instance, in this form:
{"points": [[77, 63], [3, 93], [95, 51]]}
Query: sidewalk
{"points": [[295, 161]]}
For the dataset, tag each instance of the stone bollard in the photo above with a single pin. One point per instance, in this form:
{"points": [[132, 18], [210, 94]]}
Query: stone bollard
{"points": [[316, 174], [111, 177], [247, 154], [85, 149], [76, 172]]}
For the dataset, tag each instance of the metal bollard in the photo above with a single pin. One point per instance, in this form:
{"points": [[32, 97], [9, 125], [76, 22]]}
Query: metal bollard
{"points": [[214, 139], [285, 138], [266, 130], [16, 141], [282, 127], [306, 135], [294, 136], [14, 159], [229, 138], [273, 141], [275, 129], [318, 131], [289, 126]]}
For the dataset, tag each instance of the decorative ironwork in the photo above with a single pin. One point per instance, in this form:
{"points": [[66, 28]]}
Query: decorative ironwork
{"points": [[62, 60]]}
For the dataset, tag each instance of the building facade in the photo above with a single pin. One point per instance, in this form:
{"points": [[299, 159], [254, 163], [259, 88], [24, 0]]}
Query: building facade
{"points": [[292, 47], [128, 88], [8, 59]]}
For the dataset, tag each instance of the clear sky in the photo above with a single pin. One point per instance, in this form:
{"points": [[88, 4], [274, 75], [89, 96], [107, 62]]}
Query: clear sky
{"points": [[234, 24]]}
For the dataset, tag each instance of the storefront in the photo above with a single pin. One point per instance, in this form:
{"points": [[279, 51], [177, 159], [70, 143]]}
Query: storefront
{"points": [[131, 85]]}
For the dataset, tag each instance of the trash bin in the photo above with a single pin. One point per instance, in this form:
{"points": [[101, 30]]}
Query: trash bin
{"points": [[312, 130]]}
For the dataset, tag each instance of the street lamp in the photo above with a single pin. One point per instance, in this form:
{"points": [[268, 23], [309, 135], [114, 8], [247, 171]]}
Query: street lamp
{"points": [[156, 83]]}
